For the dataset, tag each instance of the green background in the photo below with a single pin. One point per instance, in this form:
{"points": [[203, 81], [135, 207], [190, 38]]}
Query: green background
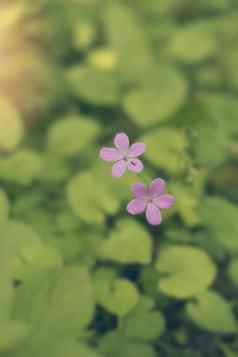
{"points": [[79, 277]]}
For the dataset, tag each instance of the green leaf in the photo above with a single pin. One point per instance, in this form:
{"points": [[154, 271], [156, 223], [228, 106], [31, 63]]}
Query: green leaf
{"points": [[107, 92], [4, 206], [193, 43], [187, 203], [150, 106], [144, 326], [118, 296], [84, 34], [21, 167], [128, 243], [43, 256], [16, 237], [71, 305], [91, 199], [212, 312], [166, 148], [7, 292], [23, 251], [116, 345], [227, 351], [72, 134], [11, 126], [185, 271], [32, 297], [126, 36], [55, 169], [212, 127], [220, 217], [49, 347], [103, 58], [12, 334], [233, 270]]}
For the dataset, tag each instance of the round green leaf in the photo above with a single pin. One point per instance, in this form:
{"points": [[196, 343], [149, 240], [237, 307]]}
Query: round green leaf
{"points": [[91, 199], [11, 126], [128, 243], [21, 167], [116, 345], [144, 326], [95, 86], [166, 148], [212, 312], [4, 206], [119, 296], [233, 270], [193, 43], [220, 216], [12, 334], [185, 271], [71, 305], [152, 105], [70, 135]]}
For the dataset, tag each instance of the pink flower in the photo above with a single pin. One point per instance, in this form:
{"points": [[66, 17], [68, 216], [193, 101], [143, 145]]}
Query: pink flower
{"points": [[150, 200], [124, 155]]}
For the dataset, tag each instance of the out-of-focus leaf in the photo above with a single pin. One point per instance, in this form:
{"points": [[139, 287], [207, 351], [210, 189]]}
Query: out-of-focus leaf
{"points": [[84, 33], [148, 106], [106, 92], [71, 305], [125, 35], [11, 126], [115, 344], [166, 148], [193, 43], [147, 326], [91, 199], [220, 217], [21, 167], [128, 243], [7, 296], [212, 312], [13, 333], [4, 206], [103, 58], [187, 203], [72, 134], [233, 270], [185, 271], [53, 347], [55, 169], [118, 296]]}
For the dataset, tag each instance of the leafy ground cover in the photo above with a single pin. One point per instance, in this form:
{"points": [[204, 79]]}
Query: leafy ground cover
{"points": [[79, 277]]}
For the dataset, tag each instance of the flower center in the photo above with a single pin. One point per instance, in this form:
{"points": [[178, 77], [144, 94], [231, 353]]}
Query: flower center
{"points": [[147, 199]]}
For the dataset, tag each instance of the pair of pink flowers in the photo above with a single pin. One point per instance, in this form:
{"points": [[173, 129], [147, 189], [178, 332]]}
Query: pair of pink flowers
{"points": [[146, 199]]}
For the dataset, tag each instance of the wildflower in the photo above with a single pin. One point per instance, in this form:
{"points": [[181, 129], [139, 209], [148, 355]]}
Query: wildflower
{"points": [[124, 155], [150, 200]]}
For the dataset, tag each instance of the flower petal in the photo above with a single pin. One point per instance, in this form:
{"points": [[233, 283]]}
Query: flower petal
{"points": [[135, 165], [136, 206], [164, 201], [153, 214], [119, 168], [136, 150], [157, 187], [121, 142], [139, 190], [110, 154]]}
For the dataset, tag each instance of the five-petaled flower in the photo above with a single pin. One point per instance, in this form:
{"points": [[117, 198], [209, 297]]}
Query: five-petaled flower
{"points": [[123, 155], [150, 200]]}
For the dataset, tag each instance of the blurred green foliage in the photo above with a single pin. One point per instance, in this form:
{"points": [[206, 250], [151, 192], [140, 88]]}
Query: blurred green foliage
{"points": [[78, 276]]}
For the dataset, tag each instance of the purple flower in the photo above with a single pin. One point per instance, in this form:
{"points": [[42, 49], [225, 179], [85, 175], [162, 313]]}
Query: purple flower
{"points": [[124, 155], [150, 200]]}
